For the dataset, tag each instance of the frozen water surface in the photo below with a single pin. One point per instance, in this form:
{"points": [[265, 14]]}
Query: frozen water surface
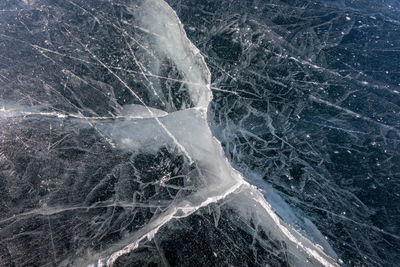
{"points": [[271, 140], [306, 97]]}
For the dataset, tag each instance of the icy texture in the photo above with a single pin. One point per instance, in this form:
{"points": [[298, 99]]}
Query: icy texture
{"points": [[106, 155], [307, 97]]}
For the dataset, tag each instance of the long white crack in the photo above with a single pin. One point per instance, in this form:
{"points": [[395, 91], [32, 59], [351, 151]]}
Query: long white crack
{"points": [[176, 212]]}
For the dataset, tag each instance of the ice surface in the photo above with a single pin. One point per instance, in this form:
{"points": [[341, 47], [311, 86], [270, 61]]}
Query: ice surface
{"points": [[106, 148], [306, 97], [108, 154]]}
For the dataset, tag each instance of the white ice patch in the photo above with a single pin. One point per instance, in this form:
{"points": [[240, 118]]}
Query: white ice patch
{"points": [[165, 30], [141, 112]]}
